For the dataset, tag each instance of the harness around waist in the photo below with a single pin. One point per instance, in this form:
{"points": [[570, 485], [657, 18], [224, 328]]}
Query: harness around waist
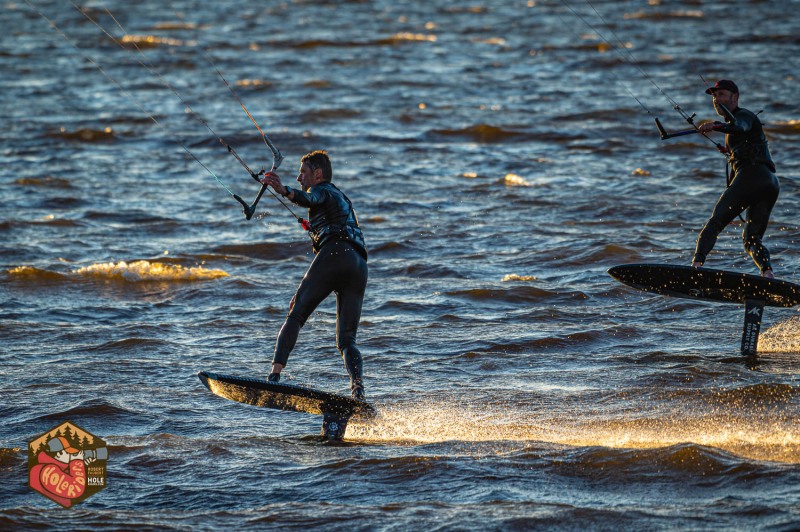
{"points": [[751, 154], [332, 233], [739, 164]]}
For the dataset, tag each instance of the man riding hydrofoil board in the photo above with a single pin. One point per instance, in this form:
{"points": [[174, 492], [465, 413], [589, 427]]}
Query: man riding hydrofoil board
{"points": [[340, 265], [753, 185]]}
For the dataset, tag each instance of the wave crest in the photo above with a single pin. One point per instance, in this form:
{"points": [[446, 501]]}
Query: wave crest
{"points": [[32, 273], [142, 270]]}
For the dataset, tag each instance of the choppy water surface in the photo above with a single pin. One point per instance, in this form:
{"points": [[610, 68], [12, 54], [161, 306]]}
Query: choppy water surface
{"points": [[499, 168]]}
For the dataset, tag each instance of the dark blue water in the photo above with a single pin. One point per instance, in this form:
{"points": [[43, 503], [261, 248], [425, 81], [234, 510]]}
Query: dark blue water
{"points": [[499, 166]]}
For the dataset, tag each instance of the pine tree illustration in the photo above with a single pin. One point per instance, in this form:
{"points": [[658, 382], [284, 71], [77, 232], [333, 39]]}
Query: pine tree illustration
{"points": [[68, 434]]}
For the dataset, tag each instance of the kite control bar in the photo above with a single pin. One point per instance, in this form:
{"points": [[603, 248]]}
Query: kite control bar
{"points": [[665, 135], [250, 209], [277, 159]]}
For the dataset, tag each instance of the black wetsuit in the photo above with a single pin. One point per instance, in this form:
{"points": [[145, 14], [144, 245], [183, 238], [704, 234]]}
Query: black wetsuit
{"points": [[340, 266], [753, 186]]}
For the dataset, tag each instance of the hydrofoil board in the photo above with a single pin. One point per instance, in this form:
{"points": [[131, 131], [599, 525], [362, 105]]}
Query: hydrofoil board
{"points": [[752, 291], [336, 409], [707, 284]]}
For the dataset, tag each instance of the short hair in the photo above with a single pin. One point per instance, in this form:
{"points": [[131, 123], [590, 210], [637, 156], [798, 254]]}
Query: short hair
{"points": [[319, 159]]}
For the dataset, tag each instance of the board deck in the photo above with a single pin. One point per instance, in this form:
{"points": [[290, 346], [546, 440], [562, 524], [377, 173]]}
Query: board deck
{"points": [[281, 396], [707, 284]]}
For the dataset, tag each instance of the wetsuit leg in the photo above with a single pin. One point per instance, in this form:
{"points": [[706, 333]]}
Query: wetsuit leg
{"points": [[336, 268], [314, 288], [729, 205], [758, 216], [349, 301]]}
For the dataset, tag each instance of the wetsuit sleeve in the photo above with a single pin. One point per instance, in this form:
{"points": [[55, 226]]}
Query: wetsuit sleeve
{"points": [[317, 196], [743, 122]]}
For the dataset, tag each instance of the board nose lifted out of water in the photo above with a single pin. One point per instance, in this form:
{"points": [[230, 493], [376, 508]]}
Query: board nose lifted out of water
{"points": [[336, 410], [706, 284]]}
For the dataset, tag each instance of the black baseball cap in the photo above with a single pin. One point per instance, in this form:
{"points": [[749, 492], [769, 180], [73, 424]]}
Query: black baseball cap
{"points": [[725, 84]]}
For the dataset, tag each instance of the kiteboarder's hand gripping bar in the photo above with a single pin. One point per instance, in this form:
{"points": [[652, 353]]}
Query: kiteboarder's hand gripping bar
{"points": [[665, 135], [702, 130], [271, 179], [277, 159]]}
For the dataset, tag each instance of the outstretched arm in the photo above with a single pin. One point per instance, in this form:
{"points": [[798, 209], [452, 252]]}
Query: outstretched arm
{"points": [[742, 122]]}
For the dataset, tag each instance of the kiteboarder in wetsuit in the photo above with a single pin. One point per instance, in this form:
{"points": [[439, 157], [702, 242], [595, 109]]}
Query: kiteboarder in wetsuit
{"points": [[340, 265], [753, 184]]}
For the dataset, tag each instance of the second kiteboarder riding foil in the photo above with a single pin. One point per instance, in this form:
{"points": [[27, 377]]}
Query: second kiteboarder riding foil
{"points": [[753, 185]]}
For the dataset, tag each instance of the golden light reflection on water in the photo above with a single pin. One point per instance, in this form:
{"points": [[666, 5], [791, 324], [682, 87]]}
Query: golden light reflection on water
{"points": [[515, 277], [143, 270], [151, 41], [513, 180], [758, 436], [136, 271]]}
